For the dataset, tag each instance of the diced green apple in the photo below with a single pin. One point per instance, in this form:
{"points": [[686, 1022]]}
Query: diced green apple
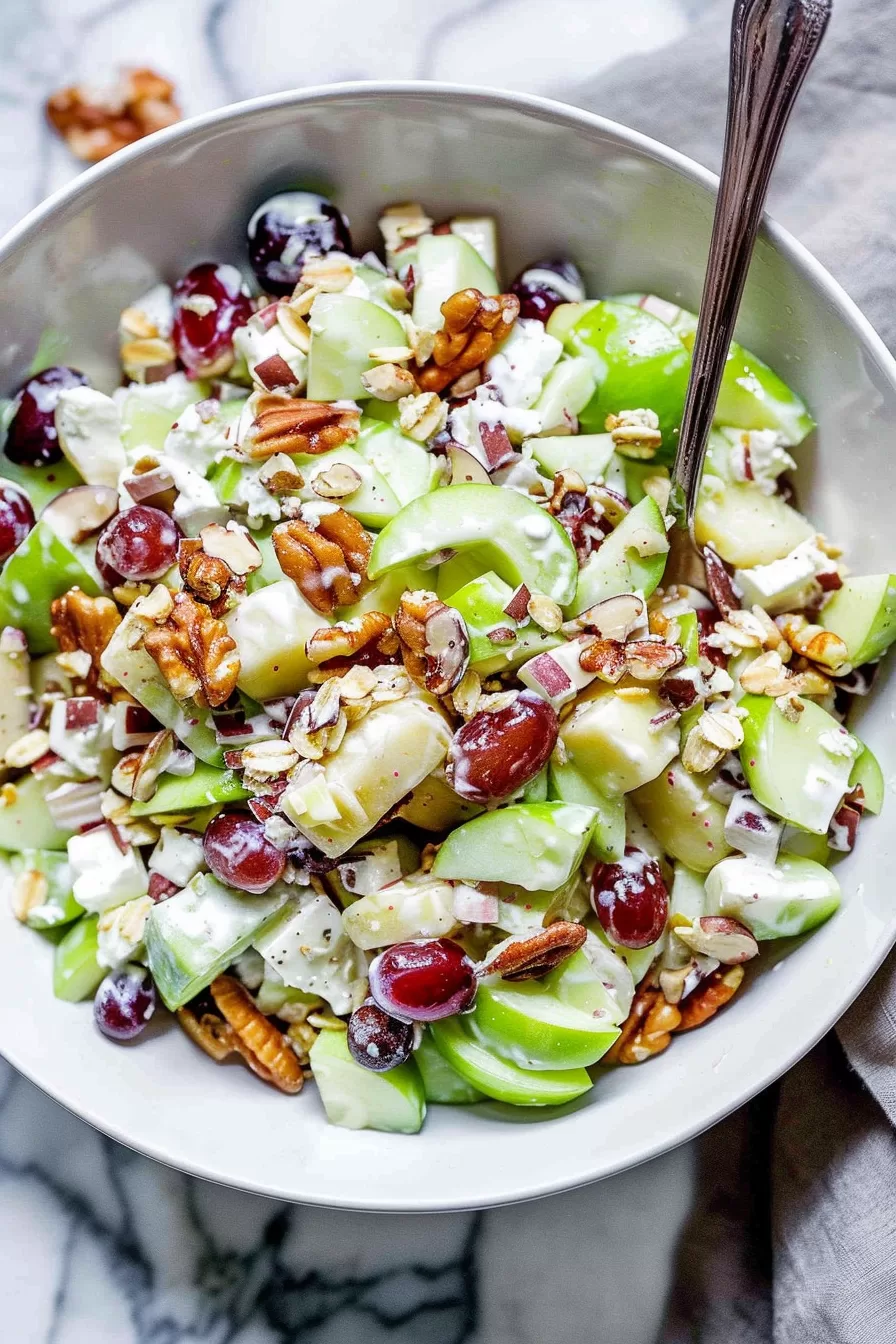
{"points": [[357, 1098], [537, 846], [482, 604], [271, 627], [41, 568], [566, 315], [596, 981], [15, 689], [444, 265], [609, 740], [481, 232], [373, 503], [381, 758], [684, 817], [148, 410], [344, 329], [441, 1083], [746, 526], [863, 614], [405, 464], [58, 906], [418, 906], [499, 1078], [533, 1028], [774, 901], [199, 931], [525, 912], [387, 592], [524, 544], [26, 823], [568, 784], [588, 454], [567, 390], [187, 793], [632, 558], [434, 806], [41, 484], [868, 773], [800, 771], [687, 900], [76, 971]]}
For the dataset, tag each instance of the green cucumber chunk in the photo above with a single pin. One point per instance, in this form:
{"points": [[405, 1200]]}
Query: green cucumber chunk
{"points": [[863, 614], [501, 1079], [76, 972], [568, 784], [357, 1098], [26, 823], [442, 1083], [533, 1028], [632, 558], [187, 793], [41, 568], [59, 906], [533, 845]]}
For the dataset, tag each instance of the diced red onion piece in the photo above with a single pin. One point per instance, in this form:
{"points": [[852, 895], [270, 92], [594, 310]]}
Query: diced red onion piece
{"points": [[550, 675], [160, 888], [752, 830], [132, 726]]}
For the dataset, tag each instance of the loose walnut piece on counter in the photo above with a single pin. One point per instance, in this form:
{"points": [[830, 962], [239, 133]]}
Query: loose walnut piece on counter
{"points": [[475, 325], [83, 623], [293, 425], [328, 564], [95, 122], [195, 653]]}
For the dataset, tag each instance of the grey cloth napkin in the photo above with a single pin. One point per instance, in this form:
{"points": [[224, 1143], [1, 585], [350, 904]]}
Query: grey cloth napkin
{"points": [[793, 1236]]}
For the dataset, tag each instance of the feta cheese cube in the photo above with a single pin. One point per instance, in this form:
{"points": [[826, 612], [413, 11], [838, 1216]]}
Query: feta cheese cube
{"points": [[120, 932], [88, 424], [177, 856], [104, 876], [308, 948], [786, 584]]}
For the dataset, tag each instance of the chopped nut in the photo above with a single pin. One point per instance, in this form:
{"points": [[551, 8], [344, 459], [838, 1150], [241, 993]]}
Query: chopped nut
{"points": [[706, 1000], [767, 675], [152, 760], [635, 434], [741, 630], [474, 327], [348, 638], [647, 1031], [434, 640], [566, 482], [421, 340], [280, 475], [330, 274], [390, 354], [8, 794], [97, 122], [546, 614], [530, 958], [27, 749], [604, 657], [293, 425], [85, 623], [712, 737], [29, 890], [614, 618], [791, 706], [147, 360], [327, 563], [401, 224], [720, 583], [339, 481], [195, 653], [816, 644], [264, 761], [467, 694], [234, 545], [389, 382], [295, 329], [650, 660], [724, 939], [422, 416]]}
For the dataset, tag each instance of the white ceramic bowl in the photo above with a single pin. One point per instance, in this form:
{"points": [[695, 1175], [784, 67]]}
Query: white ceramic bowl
{"points": [[635, 215]]}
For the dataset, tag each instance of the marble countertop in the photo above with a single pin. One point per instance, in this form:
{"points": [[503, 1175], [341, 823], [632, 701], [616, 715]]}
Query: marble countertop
{"points": [[96, 1242]]}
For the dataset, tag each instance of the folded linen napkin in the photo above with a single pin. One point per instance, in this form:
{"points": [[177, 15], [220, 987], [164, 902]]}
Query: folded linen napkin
{"points": [[793, 1236]]}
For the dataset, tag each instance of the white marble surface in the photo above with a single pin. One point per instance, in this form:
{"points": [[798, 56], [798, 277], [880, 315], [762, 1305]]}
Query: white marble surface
{"points": [[98, 1244]]}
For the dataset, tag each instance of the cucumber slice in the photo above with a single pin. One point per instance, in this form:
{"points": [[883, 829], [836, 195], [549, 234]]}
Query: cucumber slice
{"points": [[868, 773], [445, 264], [442, 1083], [499, 1078], [344, 330], [863, 614], [197, 933], [358, 1098], [26, 823], [59, 906], [773, 901], [568, 784], [609, 740], [684, 817], [533, 1028], [187, 793], [41, 484], [76, 972], [481, 603], [567, 390], [41, 568], [532, 845], [800, 771], [524, 544], [405, 464], [588, 454], [632, 558]]}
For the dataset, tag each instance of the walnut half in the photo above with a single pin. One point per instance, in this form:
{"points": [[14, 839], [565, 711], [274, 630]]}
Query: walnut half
{"points": [[195, 654]]}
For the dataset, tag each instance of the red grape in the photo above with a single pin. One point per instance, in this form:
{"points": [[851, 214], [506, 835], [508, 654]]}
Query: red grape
{"points": [[124, 1003], [544, 285], [377, 1041], [423, 982], [16, 518], [240, 854], [32, 440], [210, 302], [630, 898], [286, 229], [138, 543], [499, 751]]}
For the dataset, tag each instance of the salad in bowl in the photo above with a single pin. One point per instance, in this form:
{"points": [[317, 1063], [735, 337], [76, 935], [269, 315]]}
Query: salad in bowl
{"points": [[353, 707]]}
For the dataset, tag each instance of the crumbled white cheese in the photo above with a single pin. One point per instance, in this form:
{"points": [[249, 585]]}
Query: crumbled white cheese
{"points": [[195, 441], [255, 345], [250, 494], [82, 748], [786, 584], [519, 367], [104, 876], [120, 932], [309, 950], [759, 456], [88, 424], [838, 742], [177, 856], [196, 505]]}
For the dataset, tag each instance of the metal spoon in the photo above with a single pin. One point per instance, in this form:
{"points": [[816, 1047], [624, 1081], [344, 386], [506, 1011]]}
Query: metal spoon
{"points": [[773, 43]]}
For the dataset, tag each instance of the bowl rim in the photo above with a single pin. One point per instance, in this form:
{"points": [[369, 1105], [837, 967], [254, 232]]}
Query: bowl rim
{"points": [[572, 118]]}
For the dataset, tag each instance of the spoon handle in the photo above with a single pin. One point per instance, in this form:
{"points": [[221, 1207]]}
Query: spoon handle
{"points": [[773, 43]]}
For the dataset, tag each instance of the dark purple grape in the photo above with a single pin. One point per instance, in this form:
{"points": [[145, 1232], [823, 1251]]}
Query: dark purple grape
{"points": [[544, 285], [286, 229], [125, 1002], [377, 1041], [32, 440], [16, 518], [240, 854], [210, 302], [630, 898]]}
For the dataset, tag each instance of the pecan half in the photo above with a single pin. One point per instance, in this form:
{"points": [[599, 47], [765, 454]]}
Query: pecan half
{"points": [[706, 1000], [195, 654], [371, 635], [85, 623], [475, 325], [271, 1051], [647, 1031], [435, 646], [294, 425], [530, 958], [327, 563], [96, 122]]}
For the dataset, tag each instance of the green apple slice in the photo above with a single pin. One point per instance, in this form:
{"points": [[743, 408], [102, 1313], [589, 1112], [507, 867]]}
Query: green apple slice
{"points": [[357, 1098], [148, 411], [632, 558], [566, 315], [405, 464], [188, 793], [588, 454], [434, 806], [41, 568], [501, 1079], [609, 740], [774, 901], [76, 972], [863, 614], [482, 604], [637, 362], [567, 390], [531, 1027], [525, 544], [344, 329], [867, 772], [800, 771], [41, 484], [442, 1083], [533, 845], [444, 265], [418, 906], [684, 817], [745, 526], [595, 981], [387, 592], [58, 906], [271, 627], [26, 823], [567, 784], [199, 931], [373, 503]]}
